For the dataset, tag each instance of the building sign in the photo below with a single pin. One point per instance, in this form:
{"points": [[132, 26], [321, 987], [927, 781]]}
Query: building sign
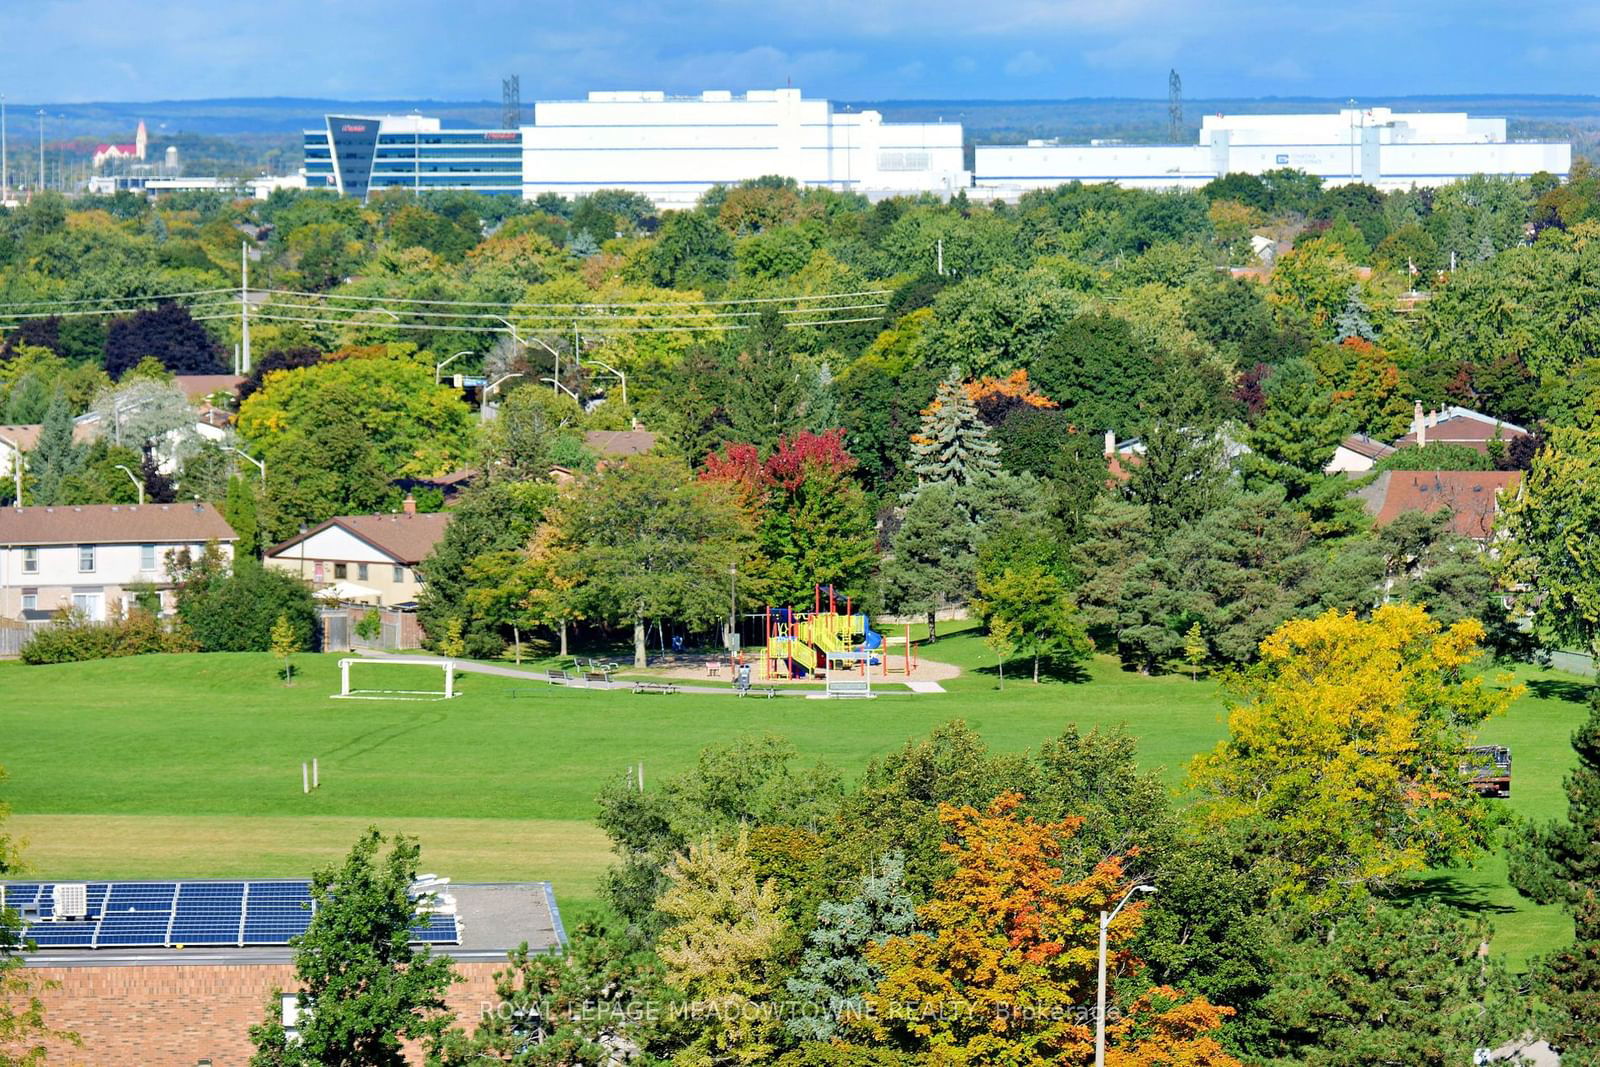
{"points": [[352, 128], [1282, 158], [501, 135]]}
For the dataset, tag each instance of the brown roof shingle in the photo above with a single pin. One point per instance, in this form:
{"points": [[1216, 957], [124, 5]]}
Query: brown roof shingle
{"points": [[614, 444], [1472, 497], [200, 386], [111, 524], [407, 539]]}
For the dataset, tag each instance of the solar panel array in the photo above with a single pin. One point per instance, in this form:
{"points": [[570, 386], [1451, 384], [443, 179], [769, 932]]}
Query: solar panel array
{"points": [[188, 914]]}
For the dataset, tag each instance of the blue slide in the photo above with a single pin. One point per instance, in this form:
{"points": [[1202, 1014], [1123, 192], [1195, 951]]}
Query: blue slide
{"points": [[871, 639]]}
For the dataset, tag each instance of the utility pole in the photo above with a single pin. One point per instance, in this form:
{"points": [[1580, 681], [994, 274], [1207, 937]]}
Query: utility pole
{"points": [[41, 149], [938, 249], [5, 169], [244, 307]]}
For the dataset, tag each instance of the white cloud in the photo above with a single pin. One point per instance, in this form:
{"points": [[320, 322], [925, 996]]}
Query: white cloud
{"points": [[1026, 64]]}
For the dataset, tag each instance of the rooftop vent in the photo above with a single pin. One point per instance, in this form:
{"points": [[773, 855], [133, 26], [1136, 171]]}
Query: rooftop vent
{"points": [[70, 900]]}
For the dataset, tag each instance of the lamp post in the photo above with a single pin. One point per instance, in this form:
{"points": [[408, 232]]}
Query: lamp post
{"points": [[260, 465], [519, 339], [439, 367], [623, 378], [137, 484], [483, 406], [733, 609], [1100, 994]]}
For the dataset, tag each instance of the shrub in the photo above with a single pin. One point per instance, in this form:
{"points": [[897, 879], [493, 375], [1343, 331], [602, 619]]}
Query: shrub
{"points": [[233, 609], [75, 638]]}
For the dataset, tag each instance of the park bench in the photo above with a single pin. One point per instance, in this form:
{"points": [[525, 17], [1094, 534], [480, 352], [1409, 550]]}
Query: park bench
{"points": [[558, 676], [768, 691], [591, 677], [714, 668], [654, 687]]}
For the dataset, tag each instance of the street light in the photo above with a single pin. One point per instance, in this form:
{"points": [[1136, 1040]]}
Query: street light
{"points": [[620, 377], [260, 465], [441, 366], [733, 609], [137, 484], [1100, 996], [554, 385], [483, 403], [519, 339]]}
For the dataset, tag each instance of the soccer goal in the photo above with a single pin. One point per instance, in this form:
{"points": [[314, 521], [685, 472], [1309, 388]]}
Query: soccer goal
{"points": [[346, 692]]}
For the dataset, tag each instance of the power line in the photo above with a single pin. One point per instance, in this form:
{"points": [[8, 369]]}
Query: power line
{"points": [[589, 304], [114, 299], [565, 320], [709, 327]]}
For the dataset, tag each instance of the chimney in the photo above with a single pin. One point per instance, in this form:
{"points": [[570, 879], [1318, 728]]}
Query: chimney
{"points": [[1111, 443], [1416, 417], [409, 505]]}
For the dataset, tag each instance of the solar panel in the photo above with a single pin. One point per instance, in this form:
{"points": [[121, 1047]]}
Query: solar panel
{"points": [[166, 914]]}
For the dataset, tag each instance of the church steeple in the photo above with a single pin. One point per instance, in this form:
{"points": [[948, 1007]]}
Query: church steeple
{"points": [[140, 140]]}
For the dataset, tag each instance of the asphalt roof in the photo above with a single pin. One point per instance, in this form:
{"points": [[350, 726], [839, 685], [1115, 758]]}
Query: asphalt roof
{"points": [[106, 524], [406, 538]]}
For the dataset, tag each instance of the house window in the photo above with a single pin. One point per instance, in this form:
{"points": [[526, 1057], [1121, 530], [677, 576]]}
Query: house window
{"points": [[89, 605], [341, 571], [318, 572], [30, 601], [30, 561], [399, 573], [85, 558], [147, 557]]}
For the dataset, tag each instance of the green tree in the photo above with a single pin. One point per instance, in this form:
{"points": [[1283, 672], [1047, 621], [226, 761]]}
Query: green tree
{"points": [[1002, 641], [1435, 456], [450, 644], [1046, 621], [724, 928], [953, 447], [1097, 371], [765, 393], [239, 508], [1294, 437], [644, 540], [496, 517], [1560, 861], [236, 608], [1551, 523], [690, 252], [834, 972], [323, 467], [1183, 471], [363, 990], [1569, 981], [1194, 649], [57, 456], [285, 643], [1386, 984]]}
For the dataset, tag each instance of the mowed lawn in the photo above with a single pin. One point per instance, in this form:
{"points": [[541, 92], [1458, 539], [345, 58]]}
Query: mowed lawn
{"points": [[180, 766]]}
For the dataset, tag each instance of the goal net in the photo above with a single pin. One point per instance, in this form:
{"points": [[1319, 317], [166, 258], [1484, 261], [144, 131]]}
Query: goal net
{"points": [[402, 680]]}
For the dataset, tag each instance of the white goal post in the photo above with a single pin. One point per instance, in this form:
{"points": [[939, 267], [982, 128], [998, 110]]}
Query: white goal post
{"points": [[347, 693]]}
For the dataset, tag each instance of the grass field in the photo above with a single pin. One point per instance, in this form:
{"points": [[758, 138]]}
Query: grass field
{"points": [[190, 765]]}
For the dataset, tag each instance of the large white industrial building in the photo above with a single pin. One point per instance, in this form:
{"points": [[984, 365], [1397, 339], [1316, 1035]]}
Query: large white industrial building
{"points": [[670, 148], [674, 148], [1371, 145]]}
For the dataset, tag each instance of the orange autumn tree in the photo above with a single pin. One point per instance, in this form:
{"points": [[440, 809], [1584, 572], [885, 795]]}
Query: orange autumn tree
{"points": [[1002, 969]]}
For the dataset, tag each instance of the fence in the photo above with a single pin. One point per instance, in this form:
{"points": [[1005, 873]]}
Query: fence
{"points": [[397, 630], [14, 636], [1573, 662]]}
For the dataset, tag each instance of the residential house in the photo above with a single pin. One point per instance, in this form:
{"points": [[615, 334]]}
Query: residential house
{"points": [[370, 559], [1473, 498], [619, 444], [1357, 454], [96, 557], [1458, 426]]}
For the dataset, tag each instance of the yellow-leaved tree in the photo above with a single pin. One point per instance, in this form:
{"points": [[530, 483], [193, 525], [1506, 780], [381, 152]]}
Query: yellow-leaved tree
{"points": [[1344, 749], [1002, 968]]}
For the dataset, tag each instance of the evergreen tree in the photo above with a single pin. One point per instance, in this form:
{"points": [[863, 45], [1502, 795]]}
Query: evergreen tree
{"points": [[1183, 473], [766, 391], [158, 488], [1296, 433], [822, 409], [1353, 320], [1569, 981], [239, 508], [834, 973], [953, 446], [57, 456]]}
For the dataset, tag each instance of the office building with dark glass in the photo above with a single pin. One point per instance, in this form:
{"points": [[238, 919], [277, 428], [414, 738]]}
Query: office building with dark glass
{"points": [[358, 155]]}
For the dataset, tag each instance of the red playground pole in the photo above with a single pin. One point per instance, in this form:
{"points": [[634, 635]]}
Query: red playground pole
{"points": [[790, 644]]}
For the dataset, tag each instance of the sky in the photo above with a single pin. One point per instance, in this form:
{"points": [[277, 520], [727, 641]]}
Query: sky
{"points": [[75, 51]]}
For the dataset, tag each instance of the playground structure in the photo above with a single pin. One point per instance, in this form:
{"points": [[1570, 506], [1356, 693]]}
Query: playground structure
{"points": [[828, 644]]}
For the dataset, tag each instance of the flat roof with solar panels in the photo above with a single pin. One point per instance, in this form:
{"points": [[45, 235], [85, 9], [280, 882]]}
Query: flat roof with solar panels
{"points": [[96, 923]]}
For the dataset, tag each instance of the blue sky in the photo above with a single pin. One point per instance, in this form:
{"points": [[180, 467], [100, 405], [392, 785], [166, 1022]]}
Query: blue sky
{"points": [[83, 50]]}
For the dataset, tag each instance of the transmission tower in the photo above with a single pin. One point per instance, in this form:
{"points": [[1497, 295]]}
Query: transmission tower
{"points": [[1174, 107], [511, 102]]}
